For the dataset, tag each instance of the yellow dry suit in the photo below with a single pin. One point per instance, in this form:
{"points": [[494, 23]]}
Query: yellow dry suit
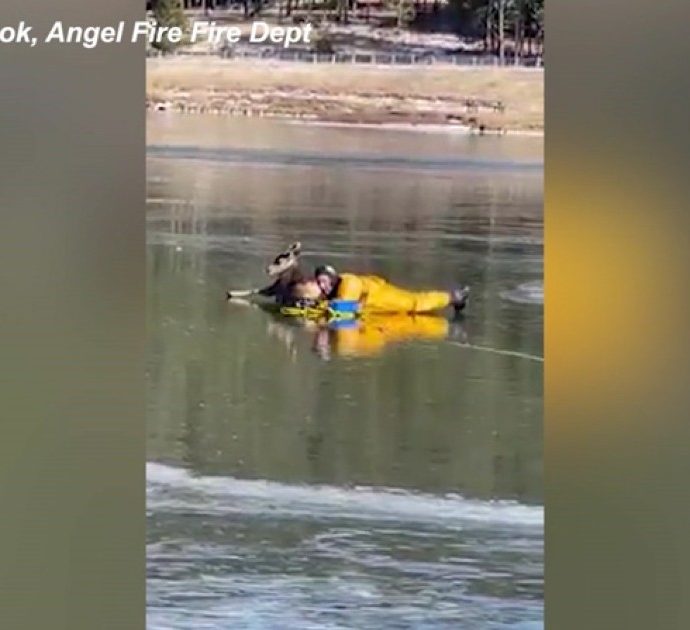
{"points": [[376, 295]]}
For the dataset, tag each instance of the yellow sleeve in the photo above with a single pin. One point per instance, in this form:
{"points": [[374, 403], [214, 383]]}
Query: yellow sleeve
{"points": [[350, 287]]}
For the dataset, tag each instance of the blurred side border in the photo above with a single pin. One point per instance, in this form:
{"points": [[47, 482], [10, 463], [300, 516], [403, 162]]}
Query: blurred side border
{"points": [[616, 339], [72, 490]]}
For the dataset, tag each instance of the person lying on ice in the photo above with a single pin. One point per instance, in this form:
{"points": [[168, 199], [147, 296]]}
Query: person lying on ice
{"points": [[375, 294]]}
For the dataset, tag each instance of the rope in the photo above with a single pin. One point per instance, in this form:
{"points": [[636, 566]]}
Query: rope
{"points": [[316, 312], [508, 353]]}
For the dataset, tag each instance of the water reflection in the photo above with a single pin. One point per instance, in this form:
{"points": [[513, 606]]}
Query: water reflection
{"points": [[370, 336]]}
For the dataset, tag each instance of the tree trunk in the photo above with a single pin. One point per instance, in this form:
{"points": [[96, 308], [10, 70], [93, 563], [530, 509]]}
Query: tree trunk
{"points": [[487, 29], [501, 31], [540, 41], [517, 43]]}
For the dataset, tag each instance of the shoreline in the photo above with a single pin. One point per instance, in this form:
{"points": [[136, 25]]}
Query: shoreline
{"points": [[423, 128], [430, 128], [491, 101]]}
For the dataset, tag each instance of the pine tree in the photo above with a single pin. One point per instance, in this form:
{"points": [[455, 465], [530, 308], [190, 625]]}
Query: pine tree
{"points": [[168, 13]]}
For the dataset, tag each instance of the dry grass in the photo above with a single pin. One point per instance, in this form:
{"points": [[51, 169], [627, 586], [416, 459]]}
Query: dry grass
{"points": [[360, 91]]}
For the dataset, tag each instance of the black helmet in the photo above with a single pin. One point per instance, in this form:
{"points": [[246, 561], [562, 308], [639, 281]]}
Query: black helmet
{"points": [[326, 270]]}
